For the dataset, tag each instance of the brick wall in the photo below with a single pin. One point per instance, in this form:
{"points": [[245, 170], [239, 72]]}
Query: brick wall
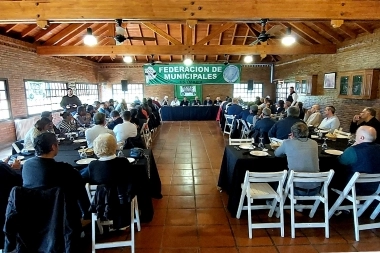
{"points": [[18, 61], [358, 54]]}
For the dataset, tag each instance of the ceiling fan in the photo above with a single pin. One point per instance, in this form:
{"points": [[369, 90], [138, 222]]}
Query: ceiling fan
{"points": [[264, 34], [152, 62], [120, 37]]}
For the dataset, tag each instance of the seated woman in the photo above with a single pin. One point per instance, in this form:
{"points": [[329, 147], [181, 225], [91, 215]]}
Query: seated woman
{"points": [[43, 125], [67, 125], [122, 106]]}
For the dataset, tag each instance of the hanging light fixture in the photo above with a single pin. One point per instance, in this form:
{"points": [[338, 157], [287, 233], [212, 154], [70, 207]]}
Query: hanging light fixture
{"points": [[188, 61], [248, 59], [128, 59], [89, 38], [289, 39]]}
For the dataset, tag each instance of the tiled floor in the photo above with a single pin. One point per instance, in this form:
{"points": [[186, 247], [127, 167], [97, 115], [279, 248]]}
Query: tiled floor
{"points": [[192, 216]]}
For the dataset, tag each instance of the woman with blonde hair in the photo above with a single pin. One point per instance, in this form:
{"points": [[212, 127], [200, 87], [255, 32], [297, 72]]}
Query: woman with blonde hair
{"points": [[43, 125]]}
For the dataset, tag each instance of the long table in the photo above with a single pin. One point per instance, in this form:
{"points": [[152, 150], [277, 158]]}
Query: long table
{"points": [[180, 113], [236, 162], [149, 186]]}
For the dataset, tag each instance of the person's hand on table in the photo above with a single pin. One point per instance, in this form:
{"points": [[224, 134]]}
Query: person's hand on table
{"points": [[16, 165]]}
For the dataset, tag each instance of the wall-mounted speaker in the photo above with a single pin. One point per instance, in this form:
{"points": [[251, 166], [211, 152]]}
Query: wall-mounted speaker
{"points": [[124, 85], [250, 84]]}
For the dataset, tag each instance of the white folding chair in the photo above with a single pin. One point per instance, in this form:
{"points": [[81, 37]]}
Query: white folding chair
{"points": [[135, 218], [228, 124], [239, 141], [358, 209], [322, 196], [244, 130], [256, 186], [146, 135]]}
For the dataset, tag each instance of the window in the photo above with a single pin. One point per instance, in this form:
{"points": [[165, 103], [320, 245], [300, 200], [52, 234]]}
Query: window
{"points": [[5, 112], [241, 89], [87, 93], [44, 96], [129, 96], [282, 89]]}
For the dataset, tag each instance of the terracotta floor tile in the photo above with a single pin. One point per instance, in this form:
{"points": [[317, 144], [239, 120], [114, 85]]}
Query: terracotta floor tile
{"points": [[181, 202], [182, 173], [164, 166], [205, 180], [183, 166], [165, 188], [182, 160], [266, 249], [180, 237], [259, 236], [182, 190], [199, 154], [166, 180], [208, 201], [211, 216], [179, 250], [219, 250], [182, 180], [183, 155], [335, 248], [181, 217], [165, 172], [158, 218], [203, 172], [161, 203], [200, 160], [201, 189], [215, 236], [297, 248], [184, 151], [154, 233], [333, 239], [165, 160], [364, 236], [197, 166]]}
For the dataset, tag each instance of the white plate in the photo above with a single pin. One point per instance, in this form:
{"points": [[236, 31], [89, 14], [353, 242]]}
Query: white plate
{"points": [[20, 157], [61, 138], [323, 131], [333, 152], [314, 136], [246, 146], [341, 136], [86, 161], [258, 153], [131, 160], [79, 140]]}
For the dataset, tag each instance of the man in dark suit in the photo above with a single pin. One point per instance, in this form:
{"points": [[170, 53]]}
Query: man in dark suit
{"points": [[366, 118], [196, 101], [282, 128], [208, 101], [263, 126], [116, 120], [184, 102]]}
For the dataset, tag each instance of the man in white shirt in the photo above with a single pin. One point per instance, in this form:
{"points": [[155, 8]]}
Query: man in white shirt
{"points": [[293, 97], [175, 102], [126, 129], [331, 122], [313, 117], [99, 128]]}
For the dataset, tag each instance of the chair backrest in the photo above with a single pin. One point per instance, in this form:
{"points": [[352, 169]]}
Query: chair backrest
{"points": [[266, 177], [239, 141], [229, 117], [90, 189]]}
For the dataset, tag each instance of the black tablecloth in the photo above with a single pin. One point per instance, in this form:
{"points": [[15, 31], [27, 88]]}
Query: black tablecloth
{"points": [[180, 113], [149, 187], [235, 164]]}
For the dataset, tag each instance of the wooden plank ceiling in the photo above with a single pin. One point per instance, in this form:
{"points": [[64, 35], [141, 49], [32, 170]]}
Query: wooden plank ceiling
{"points": [[207, 30]]}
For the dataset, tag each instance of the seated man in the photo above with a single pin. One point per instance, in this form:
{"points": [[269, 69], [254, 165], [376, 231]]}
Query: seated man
{"points": [[217, 101], [302, 156], [81, 118], [362, 156], [281, 129], [263, 125], [165, 102], [234, 109], [99, 128], [252, 117], [313, 117], [175, 102], [331, 122], [366, 118], [243, 114], [196, 101], [126, 129], [184, 102], [116, 120], [53, 129], [43, 171], [208, 101]]}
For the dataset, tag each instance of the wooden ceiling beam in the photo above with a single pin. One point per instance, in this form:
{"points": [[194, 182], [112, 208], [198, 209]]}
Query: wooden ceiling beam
{"points": [[245, 39], [182, 38], [169, 43], [73, 35], [42, 33], [300, 36], [329, 31], [232, 39], [163, 34], [207, 33], [9, 28], [219, 43], [310, 33], [250, 29], [182, 10], [222, 28], [365, 27], [63, 34], [347, 31], [28, 30], [95, 31], [183, 50], [141, 34]]}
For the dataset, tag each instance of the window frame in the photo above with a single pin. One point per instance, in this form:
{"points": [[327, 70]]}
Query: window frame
{"points": [[249, 93], [8, 99], [288, 84], [77, 91], [117, 97]]}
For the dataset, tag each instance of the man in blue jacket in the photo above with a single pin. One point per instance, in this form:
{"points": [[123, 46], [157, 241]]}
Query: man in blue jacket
{"points": [[281, 129]]}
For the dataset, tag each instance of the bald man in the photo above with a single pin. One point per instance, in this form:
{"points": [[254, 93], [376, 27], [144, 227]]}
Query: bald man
{"points": [[362, 156], [313, 117]]}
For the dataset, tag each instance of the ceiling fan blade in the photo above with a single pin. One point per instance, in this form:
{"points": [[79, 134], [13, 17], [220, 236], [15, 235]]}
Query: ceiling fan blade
{"points": [[274, 29], [254, 43], [142, 38]]}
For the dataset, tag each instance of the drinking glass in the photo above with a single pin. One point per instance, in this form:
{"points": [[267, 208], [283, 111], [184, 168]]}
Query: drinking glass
{"points": [[83, 154], [120, 146], [324, 145], [261, 144]]}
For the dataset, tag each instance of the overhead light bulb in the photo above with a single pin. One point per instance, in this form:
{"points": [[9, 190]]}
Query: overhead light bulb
{"points": [[89, 38], [188, 62], [127, 59], [119, 30], [248, 59], [289, 39]]}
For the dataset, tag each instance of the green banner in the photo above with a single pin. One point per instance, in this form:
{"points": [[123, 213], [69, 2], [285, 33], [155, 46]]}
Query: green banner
{"points": [[195, 74]]}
